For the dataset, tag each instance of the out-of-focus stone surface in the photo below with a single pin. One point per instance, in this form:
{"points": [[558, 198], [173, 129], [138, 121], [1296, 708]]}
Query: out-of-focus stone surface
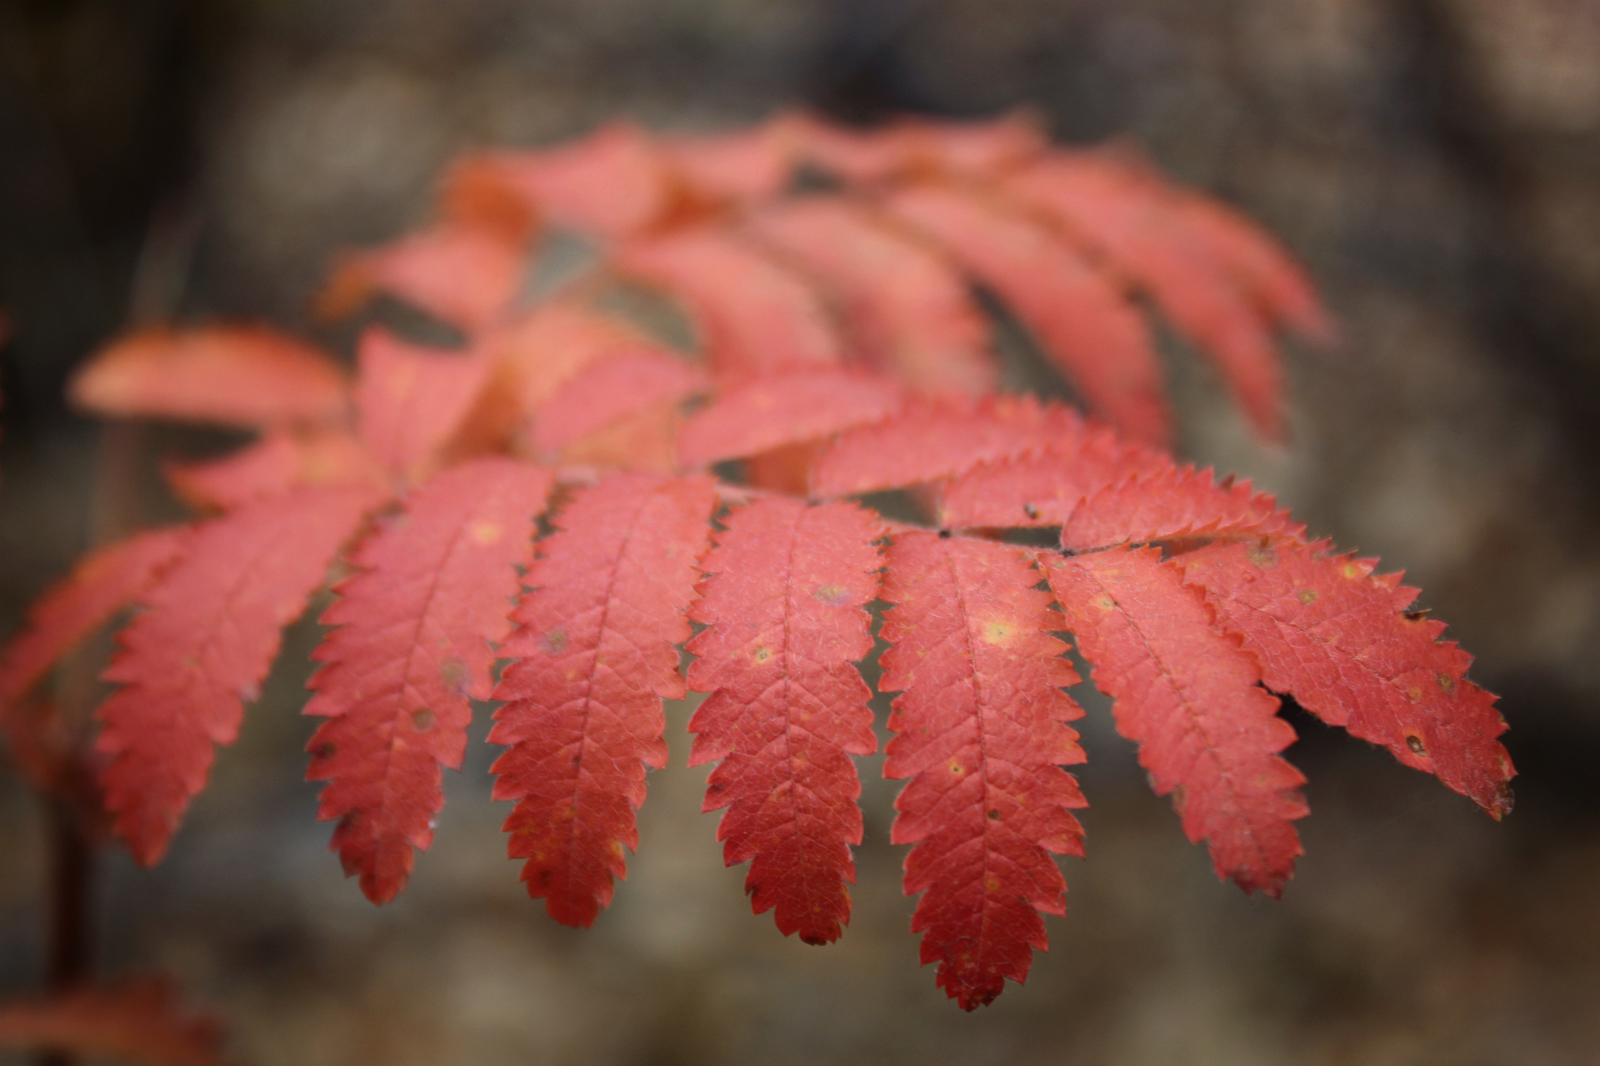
{"points": [[1437, 164]]}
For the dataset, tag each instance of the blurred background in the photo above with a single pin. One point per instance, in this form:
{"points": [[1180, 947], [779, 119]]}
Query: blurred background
{"points": [[1435, 162]]}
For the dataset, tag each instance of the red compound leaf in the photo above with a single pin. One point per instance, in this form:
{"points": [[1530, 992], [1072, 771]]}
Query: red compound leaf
{"points": [[931, 440], [593, 657], [1342, 642], [1133, 223], [1044, 487], [609, 390], [980, 735], [754, 316], [792, 409], [908, 311], [464, 275], [1082, 321], [137, 1021], [411, 399], [234, 375], [103, 583], [1188, 695], [783, 609], [199, 650], [414, 640], [1175, 502], [280, 461]]}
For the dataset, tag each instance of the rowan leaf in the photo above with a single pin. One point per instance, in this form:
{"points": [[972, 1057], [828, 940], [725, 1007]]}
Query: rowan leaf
{"points": [[782, 604], [1187, 694], [135, 1021], [1174, 502], [413, 643], [979, 731], [234, 375], [1084, 324], [592, 658], [934, 439], [1044, 487], [770, 412], [104, 582], [754, 315], [1341, 641], [466, 275], [411, 399], [1134, 224], [202, 645], [907, 311], [609, 390]]}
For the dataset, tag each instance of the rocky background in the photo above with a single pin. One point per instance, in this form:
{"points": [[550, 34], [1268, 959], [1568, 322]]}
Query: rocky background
{"points": [[1436, 162]]}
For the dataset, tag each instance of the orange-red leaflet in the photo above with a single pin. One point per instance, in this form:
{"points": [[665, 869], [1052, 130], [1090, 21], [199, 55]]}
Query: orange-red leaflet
{"points": [[979, 731], [783, 609], [413, 642]]}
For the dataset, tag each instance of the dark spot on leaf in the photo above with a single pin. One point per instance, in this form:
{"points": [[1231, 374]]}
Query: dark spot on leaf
{"points": [[1414, 742], [832, 595], [1447, 682], [555, 641], [1307, 596], [813, 939], [1030, 510], [455, 676], [326, 750], [994, 815], [422, 719], [545, 876], [1416, 616]]}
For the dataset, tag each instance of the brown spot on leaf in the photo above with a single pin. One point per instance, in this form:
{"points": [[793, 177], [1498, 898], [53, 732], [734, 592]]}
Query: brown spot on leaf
{"points": [[1307, 596], [555, 641], [422, 719], [832, 595], [1414, 742]]}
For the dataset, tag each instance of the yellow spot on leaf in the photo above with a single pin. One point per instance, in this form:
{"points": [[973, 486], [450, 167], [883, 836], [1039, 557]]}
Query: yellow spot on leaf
{"points": [[486, 532], [1307, 596]]}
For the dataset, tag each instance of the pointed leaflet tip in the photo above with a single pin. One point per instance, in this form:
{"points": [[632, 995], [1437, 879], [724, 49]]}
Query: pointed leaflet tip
{"points": [[782, 604], [202, 645], [465, 275], [415, 628], [592, 657], [1187, 694], [1340, 641], [979, 733]]}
